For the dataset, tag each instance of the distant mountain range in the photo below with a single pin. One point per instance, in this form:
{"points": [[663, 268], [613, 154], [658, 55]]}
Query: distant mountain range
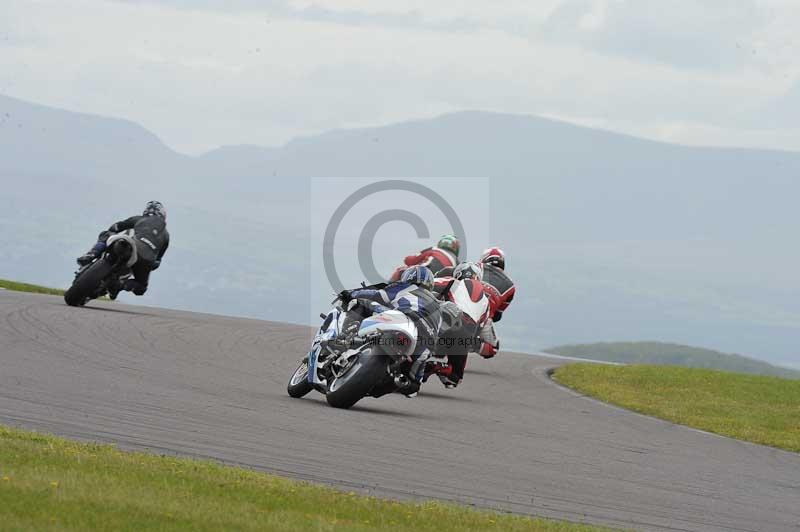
{"points": [[673, 355], [608, 236]]}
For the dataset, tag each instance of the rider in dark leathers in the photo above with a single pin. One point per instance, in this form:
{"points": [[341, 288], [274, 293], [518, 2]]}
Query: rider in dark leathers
{"points": [[412, 296], [152, 240]]}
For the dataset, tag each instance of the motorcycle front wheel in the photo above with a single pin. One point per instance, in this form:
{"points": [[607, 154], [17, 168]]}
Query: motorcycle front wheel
{"points": [[298, 385]]}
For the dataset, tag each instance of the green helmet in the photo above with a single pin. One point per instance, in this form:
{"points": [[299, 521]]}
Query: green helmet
{"points": [[450, 243]]}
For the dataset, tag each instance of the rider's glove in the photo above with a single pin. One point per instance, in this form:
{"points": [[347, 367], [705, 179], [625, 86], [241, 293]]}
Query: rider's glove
{"points": [[344, 297]]}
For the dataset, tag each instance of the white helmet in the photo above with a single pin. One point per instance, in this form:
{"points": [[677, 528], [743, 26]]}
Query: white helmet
{"points": [[495, 257], [468, 270]]}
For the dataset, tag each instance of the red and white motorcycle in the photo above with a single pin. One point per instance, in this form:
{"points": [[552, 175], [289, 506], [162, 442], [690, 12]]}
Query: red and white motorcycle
{"points": [[464, 291]]}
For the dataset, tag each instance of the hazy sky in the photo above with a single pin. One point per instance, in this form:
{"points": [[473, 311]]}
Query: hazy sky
{"points": [[201, 73]]}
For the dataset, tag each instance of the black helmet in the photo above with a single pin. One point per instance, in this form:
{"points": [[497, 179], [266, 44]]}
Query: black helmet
{"points": [[155, 208]]}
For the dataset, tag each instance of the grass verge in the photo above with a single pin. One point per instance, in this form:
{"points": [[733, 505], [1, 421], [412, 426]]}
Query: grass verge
{"points": [[759, 409], [49, 483], [25, 287], [665, 354]]}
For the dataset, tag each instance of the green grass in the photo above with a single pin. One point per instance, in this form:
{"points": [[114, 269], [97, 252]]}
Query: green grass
{"points": [[673, 355], [25, 287], [48, 483], [754, 408]]}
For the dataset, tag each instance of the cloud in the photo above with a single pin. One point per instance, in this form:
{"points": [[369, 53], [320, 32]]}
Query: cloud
{"points": [[686, 33], [783, 112], [223, 6], [347, 13], [206, 73]]}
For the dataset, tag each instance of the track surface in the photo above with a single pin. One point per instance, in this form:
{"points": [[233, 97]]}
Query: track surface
{"points": [[508, 438]]}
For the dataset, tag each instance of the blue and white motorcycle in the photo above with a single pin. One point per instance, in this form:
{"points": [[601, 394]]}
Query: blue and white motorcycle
{"points": [[352, 358]]}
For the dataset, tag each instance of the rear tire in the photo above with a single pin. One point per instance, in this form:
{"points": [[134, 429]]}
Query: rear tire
{"points": [[363, 375], [85, 285], [298, 385]]}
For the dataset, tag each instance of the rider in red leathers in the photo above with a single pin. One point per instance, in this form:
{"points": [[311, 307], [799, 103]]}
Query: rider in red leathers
{"points": [[498, 284], [443, 255]]}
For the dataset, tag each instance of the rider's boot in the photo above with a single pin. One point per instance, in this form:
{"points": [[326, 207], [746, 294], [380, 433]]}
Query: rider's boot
{"points": [[92, 254], [445, 374], [132, 285], [449, 381]]}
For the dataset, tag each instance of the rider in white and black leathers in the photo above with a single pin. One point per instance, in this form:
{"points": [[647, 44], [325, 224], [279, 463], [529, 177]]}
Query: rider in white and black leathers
{"points": [[152, 241], [412, 296]]}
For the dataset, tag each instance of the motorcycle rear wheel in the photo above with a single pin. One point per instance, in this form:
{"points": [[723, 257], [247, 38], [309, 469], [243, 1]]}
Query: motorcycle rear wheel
{"points": [[357, 381], [85, 285]]}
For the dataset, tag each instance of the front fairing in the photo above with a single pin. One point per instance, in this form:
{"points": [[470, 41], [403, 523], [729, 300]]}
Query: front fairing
{"points": [[328, 331], [475, 310]]}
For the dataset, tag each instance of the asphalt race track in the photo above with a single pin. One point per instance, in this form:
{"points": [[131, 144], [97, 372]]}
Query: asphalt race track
{"points": [[508, 438]]}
